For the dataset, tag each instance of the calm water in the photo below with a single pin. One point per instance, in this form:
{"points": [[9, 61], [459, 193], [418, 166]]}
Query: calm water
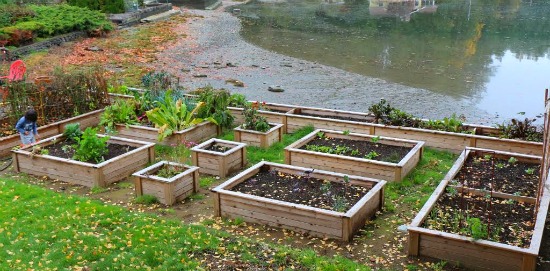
{"points": [[494, 53]]}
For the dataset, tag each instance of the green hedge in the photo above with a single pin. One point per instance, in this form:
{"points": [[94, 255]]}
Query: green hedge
{"points": [[107, 6], [18, 24]]}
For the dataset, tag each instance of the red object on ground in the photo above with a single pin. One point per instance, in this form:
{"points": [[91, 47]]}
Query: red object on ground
{"points": [[17, 72]]}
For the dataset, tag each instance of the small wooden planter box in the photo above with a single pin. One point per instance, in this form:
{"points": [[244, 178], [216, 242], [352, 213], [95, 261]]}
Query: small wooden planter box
{"points": [[298, 217], [89, 119], [196, 133], [218, 163], [274, 116], [260, 139], [167, 190], [354, 165], [82, 173], [478, 254]]}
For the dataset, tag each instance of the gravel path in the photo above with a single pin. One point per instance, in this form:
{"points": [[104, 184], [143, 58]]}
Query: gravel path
{"points": [[214, 48]]}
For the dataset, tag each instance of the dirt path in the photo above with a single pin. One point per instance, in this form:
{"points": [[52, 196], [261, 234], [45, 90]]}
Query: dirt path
{"points": [[214, 49]]}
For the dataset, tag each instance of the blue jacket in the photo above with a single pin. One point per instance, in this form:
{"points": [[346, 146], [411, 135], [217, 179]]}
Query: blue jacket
{"points": [[25, 125]]}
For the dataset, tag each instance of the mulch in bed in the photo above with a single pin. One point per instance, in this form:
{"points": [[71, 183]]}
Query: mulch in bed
{"points": [[302, 189], [518, 178], [361, 148], [114, 150], [510, 222]]}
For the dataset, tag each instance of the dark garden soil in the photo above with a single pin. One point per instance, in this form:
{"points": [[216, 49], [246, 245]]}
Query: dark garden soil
{"points": [[304, 190], [358, 148], [217, 148], [336, 117], [516, 178], [510, 222], [114, 150]]}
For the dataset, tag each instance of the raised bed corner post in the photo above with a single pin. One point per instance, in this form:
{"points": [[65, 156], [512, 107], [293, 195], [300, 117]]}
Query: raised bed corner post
{"points": [[414, 242], [543, 174]]}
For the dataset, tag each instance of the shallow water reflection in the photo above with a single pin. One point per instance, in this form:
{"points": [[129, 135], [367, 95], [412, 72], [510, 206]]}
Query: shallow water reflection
{"points": [[494, 53]]}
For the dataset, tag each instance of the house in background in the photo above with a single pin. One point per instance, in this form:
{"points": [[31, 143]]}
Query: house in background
{"points": [[401, 8]]}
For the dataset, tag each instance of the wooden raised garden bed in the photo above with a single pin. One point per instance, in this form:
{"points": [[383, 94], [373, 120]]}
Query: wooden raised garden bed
{"points": [[196, 133], [383, 158], [219, 157], [84, 173], [270, 194], [272, 112], [489, 194], [260, 139], [448, 141], [168, 190], [89, 119]]}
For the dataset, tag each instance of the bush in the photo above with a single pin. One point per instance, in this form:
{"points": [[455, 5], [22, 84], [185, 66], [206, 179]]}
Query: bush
{"points": [[107, 6], [19, 25]]}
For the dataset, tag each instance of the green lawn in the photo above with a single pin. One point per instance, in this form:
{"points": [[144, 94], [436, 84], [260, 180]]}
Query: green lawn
{"points": [[43, 230]]}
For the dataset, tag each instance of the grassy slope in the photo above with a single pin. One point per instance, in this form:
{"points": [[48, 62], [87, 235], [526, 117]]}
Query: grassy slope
{"points": [[43, 230]]}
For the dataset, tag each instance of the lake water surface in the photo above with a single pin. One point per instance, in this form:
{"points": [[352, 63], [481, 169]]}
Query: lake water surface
{"points": [[494, 53]]}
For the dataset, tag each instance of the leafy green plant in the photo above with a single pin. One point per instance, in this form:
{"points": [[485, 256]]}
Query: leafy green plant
{"points": [[449, 124], [500, 165], [346, 132], [326, 187], [72, 131], [381, 111], [340, 204], [530, 171], [67, 149], [371, 155], [318, 148], [44, 152], [478, 229], [320, 135], [90, 147], [168, 171], [253, 120], [120, 112], [401, 118], [342, 149], [215, 103], [171, 116], [237, 100], [375, 139], [512, 160], [354, 153], [452, 190], [518, 129]]}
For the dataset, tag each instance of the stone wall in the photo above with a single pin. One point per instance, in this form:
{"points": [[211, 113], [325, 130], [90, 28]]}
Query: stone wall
{"points": [[45, 44], [130, 18]]}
